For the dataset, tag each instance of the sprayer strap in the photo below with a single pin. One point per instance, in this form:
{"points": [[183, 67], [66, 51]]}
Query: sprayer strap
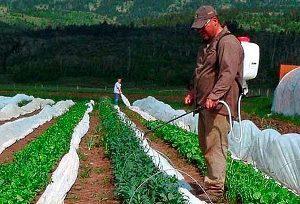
{"points": [[217, 59]]}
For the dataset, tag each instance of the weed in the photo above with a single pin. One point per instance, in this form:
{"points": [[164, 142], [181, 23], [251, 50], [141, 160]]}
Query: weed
{"points": [[99, 170], [82, 156], [86, 171]]}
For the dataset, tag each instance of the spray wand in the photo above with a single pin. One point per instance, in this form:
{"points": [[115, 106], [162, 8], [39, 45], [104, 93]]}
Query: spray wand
{"points": [[157, 127]]}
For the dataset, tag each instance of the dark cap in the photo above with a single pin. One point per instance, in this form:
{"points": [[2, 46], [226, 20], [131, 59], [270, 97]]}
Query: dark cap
{"points": [[202, 15]]}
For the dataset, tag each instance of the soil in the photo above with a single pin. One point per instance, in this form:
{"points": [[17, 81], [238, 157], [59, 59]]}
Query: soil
{"points": [[22, 116], [8, 154], [95, 182], [177, 161], [282, 127]]}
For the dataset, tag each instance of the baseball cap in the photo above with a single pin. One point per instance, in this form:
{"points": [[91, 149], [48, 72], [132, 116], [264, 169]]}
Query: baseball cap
{"points": [[202, 15]]}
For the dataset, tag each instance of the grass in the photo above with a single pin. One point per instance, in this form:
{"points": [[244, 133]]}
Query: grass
{"points": [[82, 156], [261, 106], [91, 143], [86, 171], [99, 170]]}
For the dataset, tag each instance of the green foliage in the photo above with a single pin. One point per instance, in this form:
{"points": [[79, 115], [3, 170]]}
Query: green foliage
{"points": [[244, 183], [29, 173], [185, 142], [131, 166], [147, 42], [23, 103], [144, 13], [261, 106]]}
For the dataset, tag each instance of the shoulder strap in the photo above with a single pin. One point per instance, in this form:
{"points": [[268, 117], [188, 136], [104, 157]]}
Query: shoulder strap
{"points": [[217, 61], [217, 47]]}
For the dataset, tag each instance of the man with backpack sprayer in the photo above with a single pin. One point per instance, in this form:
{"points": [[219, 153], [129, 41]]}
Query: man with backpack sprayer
{"points": [[218, 76]]}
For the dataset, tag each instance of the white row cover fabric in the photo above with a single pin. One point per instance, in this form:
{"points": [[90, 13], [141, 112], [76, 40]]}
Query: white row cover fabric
{"points": [[10, 132], [14, 100], [12, 110], [165, 112], [66, 173], [144, 115], [161, 163], [275, 154], [287, 94]]}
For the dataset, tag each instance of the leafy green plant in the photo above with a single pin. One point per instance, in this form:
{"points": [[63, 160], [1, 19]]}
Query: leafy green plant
{"points": [[131, 166], [30, 171], [244, 183]]}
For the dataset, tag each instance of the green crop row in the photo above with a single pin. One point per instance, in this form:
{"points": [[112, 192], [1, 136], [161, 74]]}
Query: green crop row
{"points": [[244, 183], [30, 171], [131, 166]]}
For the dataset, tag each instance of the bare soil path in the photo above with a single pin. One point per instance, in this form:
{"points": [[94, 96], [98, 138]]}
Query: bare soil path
{"points": [[95, 182]]}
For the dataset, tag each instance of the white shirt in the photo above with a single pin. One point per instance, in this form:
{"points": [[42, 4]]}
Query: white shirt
{"points": [[117, 88]]}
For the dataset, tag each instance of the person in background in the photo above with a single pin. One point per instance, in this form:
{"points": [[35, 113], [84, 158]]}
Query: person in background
{"points": [[218, 76], [117, 91]]}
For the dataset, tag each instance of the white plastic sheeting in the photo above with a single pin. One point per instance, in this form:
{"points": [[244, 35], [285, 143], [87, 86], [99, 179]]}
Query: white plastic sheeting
{"points": [[10, 132], [136, 109], [12, 110], [275, 154], [161, 163], [66, 173], [287, 94], [14, 100], [165, 113]]}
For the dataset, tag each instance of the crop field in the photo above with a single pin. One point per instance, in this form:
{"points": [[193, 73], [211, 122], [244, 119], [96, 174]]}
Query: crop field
{"points": [[65, 139], [43, 161]]}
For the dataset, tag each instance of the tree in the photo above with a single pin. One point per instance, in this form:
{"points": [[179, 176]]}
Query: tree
{"points": [[9, 45]]}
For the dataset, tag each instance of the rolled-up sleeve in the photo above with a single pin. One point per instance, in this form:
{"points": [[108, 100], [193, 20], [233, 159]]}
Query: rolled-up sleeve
{"points": [[228, 53]]}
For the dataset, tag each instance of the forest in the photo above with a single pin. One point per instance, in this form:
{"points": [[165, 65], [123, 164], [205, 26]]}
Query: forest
{"points": [[145, 42]]}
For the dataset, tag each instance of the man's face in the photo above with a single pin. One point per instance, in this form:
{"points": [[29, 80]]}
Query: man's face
{"points": [[120, 81], [207, 32]]}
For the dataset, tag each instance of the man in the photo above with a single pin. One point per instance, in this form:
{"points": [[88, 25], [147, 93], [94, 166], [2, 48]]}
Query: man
{"points": [[218, 76], [117, 91]]}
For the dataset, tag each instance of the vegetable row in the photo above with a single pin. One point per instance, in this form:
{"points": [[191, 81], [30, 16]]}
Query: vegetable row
{"points": [[131, 166], [244, 183], [29, 173]]}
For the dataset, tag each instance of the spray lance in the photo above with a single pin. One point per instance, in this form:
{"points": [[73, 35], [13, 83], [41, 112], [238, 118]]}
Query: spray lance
{"points": [[180, 116]]}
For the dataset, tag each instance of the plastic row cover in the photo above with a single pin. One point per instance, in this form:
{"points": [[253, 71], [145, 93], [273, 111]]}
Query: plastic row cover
{"points": [[287, 94], [144, 115], [66, 173], [10, 132], [161, 163], [12, 110], [14, 100], [275, 154], [165, 113]]}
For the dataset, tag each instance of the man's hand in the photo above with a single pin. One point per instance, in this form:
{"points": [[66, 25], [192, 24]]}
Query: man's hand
{"points": [[189, 99], [211, 104]]}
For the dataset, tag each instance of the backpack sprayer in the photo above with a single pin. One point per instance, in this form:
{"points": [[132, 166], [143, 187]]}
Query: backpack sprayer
{"points": [[250, 68]]}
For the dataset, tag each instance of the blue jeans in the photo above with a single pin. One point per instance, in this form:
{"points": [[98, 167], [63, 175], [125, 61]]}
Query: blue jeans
{"points": [[116, 98]]}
